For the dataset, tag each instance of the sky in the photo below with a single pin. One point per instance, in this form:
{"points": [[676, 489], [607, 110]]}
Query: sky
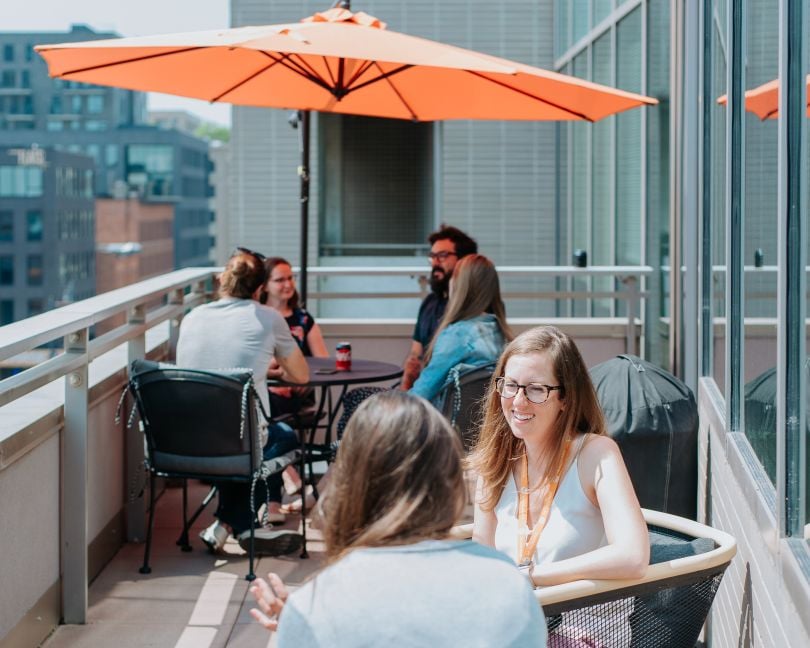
{"points": [[128, 18]]}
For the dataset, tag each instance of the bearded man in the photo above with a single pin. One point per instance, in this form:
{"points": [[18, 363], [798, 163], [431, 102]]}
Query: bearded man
{"points": [[448, 245]]}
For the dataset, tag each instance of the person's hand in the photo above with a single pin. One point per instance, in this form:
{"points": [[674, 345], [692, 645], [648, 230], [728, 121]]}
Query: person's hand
{"points": [[410, 372], [274, 370], [271, 595]]}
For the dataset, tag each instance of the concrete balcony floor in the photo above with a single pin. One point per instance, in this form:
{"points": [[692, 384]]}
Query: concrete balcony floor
{"points": [[190, 600]]}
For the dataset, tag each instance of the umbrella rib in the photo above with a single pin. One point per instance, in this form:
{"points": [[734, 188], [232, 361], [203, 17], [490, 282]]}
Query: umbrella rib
{"points": [[361, 70], [387, 78], [530, 95], [383, 75], [136, 59], [244, 81], [297, 68]]}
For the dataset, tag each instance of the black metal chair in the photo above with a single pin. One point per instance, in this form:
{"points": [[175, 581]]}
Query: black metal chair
{"points": [[460, 401], [665, 609], [200, 425]]}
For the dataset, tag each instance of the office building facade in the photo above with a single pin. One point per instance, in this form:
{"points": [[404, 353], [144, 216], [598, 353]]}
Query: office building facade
{"points": [[110, 125], [47, 230]]}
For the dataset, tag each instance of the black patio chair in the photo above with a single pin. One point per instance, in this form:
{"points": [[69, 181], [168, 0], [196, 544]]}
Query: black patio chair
{"points": [[665, 609], [460, 401], [199, 425]]}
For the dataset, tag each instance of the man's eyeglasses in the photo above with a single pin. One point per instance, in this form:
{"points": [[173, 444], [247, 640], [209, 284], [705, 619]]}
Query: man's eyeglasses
{"points": [[244, 250], [440, 256], [534, 392]]}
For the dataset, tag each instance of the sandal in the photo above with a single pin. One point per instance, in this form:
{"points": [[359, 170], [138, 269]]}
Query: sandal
{"points": [[294, 506]]}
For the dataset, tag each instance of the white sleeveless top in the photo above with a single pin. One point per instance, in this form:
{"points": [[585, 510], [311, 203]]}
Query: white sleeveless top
{"points": [[574, 526]]}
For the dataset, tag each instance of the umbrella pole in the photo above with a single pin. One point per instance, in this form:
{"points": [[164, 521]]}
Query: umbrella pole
{"points": [[303, 173]]}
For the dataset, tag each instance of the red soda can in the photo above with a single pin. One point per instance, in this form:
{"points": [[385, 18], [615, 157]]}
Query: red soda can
{"points": [[343, 356]]}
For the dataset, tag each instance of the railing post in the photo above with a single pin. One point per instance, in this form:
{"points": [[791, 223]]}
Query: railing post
{"points": [[136, 502], [74, 486], [174, 323], [633, 306]]}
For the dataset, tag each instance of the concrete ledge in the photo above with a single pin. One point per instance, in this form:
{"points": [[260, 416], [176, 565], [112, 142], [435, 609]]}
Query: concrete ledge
{"points": [[39, 622]]}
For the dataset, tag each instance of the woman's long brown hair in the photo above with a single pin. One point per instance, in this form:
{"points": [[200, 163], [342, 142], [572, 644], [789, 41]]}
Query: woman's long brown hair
{"points": [[497, 448], [398, 477], [476, 290]]}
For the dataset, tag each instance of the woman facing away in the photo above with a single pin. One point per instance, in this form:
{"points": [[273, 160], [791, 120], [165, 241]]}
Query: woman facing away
{"points": [[471, 334], [393, 577], [553, 492]]}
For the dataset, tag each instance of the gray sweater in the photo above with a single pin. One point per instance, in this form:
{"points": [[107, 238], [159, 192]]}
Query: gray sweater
{"points": [[432, 593]]}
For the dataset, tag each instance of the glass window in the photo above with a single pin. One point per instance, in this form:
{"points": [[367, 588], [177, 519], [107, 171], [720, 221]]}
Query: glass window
{"points": [[8, 52], [6, 311], [580, 193], [6, 270], [760, 246], [602, 151], [56, 105], [54, 125], [35, 271], [111, 154], [628, 143], [95, 125], [149, 168], [6, 226], [76, 104], [20, 181], [25, 79], [8, 79], [95, 104], [581, 14], [601, 9], [33, 221]]}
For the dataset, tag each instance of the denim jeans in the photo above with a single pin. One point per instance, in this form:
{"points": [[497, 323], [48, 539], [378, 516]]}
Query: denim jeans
{"points": [[234, 497]]}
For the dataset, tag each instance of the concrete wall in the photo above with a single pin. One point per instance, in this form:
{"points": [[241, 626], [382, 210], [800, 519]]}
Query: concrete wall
{"points": [[764, 599]]}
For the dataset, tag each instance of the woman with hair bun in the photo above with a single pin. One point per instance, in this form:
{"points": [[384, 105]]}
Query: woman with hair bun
{"points": [[237, 331]]}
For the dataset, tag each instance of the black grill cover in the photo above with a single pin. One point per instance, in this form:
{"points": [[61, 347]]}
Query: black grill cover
{"points": [[653, 417]]}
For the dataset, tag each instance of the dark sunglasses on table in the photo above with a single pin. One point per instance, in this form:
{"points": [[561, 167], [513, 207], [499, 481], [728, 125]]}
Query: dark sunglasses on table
{"points": [[534, 392], [244, 250], [440, 256]]}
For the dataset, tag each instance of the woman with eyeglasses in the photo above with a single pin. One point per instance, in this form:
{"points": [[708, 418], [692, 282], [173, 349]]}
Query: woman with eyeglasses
{"points": [[553, 492], [280, 293]]}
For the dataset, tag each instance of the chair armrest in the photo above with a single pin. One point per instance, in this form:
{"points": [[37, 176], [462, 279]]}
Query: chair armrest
{"points": [[716, 559]]}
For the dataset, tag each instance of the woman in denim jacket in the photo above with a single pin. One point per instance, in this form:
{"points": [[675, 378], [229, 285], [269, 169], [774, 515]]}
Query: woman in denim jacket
{"points": [[473, 330]]}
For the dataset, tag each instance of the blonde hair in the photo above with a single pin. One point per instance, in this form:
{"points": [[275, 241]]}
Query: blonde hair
{"points": [[476, 290], [398, 477], [497, 448], [242, 276]]}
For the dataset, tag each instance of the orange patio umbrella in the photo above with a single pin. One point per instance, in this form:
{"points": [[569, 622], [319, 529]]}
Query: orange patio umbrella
{"points": [[763, 100], [340, 62]]}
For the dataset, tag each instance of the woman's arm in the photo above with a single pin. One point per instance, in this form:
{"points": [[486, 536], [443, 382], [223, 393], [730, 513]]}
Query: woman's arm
{"points": [[316, 342], [627, 553], [484, 522]]}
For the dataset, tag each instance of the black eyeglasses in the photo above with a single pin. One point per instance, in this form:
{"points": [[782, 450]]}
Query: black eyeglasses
{"points": [[536, 393], [244, 250], [440, 256]]}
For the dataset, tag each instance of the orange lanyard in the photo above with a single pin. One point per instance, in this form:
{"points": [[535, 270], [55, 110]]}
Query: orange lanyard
{"points": [[527, 541]]}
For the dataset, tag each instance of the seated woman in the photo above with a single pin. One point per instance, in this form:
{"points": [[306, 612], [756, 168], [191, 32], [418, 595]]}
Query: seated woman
{"points": [[280, 293], [471, 333], [393, 576], [553, 492], [237, 331]]}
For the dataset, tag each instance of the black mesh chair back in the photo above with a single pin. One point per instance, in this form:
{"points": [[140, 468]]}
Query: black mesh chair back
{"points": [[197, 423], [461, 400]]}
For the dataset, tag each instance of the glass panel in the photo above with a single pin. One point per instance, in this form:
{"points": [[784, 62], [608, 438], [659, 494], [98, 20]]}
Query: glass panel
{"points": [[628, 146], [580, 181], [656, 334], [6, 226], [33, 220], [601, 9], [561, 40], [602, 184], [581, 11], [805, 189], [716, 177], [760, 238], [34, 269], [6, 270]]}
